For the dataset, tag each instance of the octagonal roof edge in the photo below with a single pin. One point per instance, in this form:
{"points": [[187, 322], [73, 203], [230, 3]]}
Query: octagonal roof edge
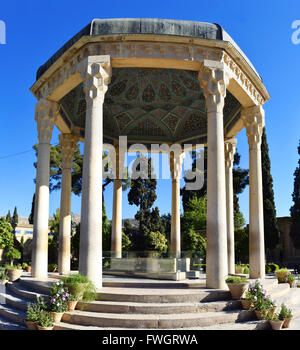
{"points": [[195, 29]]}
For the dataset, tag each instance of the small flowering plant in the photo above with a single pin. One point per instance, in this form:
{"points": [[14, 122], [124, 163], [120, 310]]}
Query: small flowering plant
{"points": [[4, 275], [255, 291], [58, 298]]}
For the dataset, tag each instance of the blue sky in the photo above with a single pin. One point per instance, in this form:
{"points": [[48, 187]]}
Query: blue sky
{"points": [[36, 29]]}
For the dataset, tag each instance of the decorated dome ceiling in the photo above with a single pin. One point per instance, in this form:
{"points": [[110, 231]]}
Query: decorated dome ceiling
{"points": [[150, 105]]}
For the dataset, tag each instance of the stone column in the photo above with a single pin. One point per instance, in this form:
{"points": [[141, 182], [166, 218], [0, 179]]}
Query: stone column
{"points": [[176, 161], [45, 115], [96, 74], [116, 236], [230, 148], [254, 121], [68, 143], [213, 80]]}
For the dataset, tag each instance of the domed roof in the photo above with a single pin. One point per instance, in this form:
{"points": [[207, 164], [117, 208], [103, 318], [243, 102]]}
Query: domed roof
{"points": [[143, 26]]}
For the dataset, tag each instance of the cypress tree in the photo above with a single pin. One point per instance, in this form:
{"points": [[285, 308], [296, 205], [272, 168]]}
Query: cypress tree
{"points": [[8, 217], [31, 216], [271, 230], [15, 219], [142, 193], [295, 209]]}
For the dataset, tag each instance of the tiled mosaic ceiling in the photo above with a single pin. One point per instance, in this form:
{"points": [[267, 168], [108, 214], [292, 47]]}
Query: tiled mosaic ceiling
{"points": [[164, 105]]}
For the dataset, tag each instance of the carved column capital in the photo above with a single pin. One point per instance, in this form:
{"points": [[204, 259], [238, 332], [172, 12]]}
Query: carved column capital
{"points": [[230, 148], [175, 161], [68, 144], [45, 116], [96, 74], [254, 122], [214, 78]]}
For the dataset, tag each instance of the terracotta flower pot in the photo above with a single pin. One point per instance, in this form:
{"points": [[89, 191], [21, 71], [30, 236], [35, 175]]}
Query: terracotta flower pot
{"points": [[56, 316], [286, 322], [77, 289], [237, 289], [276, 325], [72, 305], [259, 314], [14, 274], [292, 284], [31, 325], [28, 269], [246, 304], [40, 328]]}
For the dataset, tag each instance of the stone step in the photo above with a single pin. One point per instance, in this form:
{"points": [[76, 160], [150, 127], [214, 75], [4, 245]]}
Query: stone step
{"points": [[14, 302], [6, 325], [21, 291], [12, 314], [157, 308], [36, 286], [162, 295], [158, 321]]}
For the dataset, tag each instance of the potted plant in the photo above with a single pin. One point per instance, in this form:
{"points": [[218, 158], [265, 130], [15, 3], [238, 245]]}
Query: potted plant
{"points": [[291, 280], [239, 269], [286, 316], [12, 254], [45, 322], [262, 306], [26, 267], [274, 320], [32, 316], [58, 301], [237, 286], [80, 287], [3, 277], [52, 267], [71, 301], [13, 273], [282, 274]]}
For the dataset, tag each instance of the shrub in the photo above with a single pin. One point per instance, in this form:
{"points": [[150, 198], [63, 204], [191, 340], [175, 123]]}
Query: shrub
{"points": [[76, 281], [157, 242], [271, 267], [13, 254], [285, 312], [282, 274], [33, 312], [234, 279], [6, 235], [45, 319]]}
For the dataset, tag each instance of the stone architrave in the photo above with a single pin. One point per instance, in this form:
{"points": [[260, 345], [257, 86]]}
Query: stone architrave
{"points": [[213, 80], [96, 73], [254, 121], [45, 116], [68, 144]]}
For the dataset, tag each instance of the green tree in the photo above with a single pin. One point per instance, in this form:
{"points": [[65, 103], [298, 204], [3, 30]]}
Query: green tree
{"points": [[31, 216], [12, 254], [15, 219], [6, 235], [241, 244], [142, 193], [240, 179], [271, 230], [239, 220], [8, 217], [195, 214], [156, 242], [295, 209]]}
